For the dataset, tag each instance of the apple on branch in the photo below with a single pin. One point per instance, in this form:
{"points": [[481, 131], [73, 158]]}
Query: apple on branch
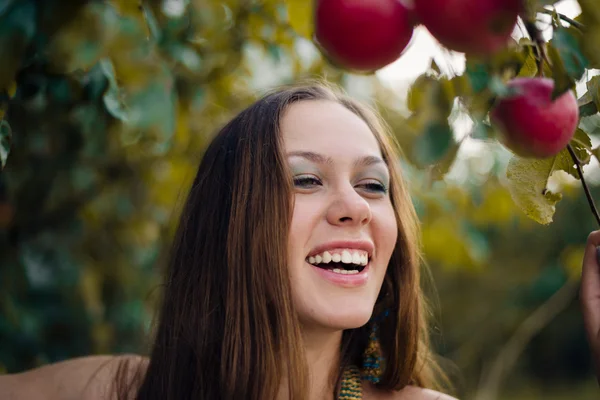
{"points": [[361, 35], [479, 27], [530, 123]]}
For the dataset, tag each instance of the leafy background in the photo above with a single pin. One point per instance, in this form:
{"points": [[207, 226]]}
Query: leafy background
{"points": [[106, 107]]}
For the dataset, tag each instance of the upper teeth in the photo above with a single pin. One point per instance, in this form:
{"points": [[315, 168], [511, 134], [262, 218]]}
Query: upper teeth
{"points": [[357, 257]]}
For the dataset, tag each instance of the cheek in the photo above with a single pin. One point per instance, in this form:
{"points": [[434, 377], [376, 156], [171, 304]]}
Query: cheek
{"points": [[386, 231], [300, 230]]}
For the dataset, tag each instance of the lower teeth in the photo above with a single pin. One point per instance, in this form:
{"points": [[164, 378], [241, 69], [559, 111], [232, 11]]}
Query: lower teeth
{"points": [[344, 271]]}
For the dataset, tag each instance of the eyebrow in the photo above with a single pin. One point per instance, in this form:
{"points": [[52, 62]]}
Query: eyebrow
{"points": [[321, 159]]}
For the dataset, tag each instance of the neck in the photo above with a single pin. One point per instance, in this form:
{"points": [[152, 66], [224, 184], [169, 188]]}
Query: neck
{"points": [[322, 349]]}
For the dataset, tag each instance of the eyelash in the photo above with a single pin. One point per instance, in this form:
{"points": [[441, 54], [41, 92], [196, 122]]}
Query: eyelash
{"points": [[305, 181], [375, 187]]}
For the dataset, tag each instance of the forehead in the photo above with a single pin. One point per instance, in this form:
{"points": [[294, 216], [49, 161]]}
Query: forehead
{"points": [[327, 127]]}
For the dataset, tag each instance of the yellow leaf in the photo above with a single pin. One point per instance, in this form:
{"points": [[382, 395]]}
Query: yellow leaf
{"points": [[528, 180], [529, 68], [102, 337], [80, 43], [90, 287], [571, 259], [12, 89], [497, 207], [300, 16], [445, 243], [128, 7], [182, 129]]}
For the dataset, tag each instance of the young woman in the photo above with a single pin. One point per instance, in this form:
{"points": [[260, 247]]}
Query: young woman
{"points": [[295, 272]]}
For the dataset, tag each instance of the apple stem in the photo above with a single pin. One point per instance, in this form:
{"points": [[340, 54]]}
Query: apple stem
{"points": [[586, 189]]}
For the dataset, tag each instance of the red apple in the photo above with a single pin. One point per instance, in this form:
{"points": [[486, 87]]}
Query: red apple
{"points": [[530, 123], [362, 35], [478, 27]]}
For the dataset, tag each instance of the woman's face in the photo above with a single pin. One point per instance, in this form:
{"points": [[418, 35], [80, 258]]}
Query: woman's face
{"points": [[343, 228]]}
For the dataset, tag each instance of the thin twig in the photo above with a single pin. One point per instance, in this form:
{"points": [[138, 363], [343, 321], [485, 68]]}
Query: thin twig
{"points": [[588, 194], [529, 328], [570, 21], [536, 35]]}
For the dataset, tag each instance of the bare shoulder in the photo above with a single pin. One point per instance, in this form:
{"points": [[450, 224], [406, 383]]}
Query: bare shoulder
{"points": [[408, 393], [79, 378], [417, 393]]}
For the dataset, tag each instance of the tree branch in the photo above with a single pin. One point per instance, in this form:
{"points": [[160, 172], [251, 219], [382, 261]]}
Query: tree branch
{"points": [[510, 352], [586, 189], [536, 35], [568, 20]]}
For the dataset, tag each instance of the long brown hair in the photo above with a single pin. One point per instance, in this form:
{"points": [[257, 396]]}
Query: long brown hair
{"points": [[227, 328]]}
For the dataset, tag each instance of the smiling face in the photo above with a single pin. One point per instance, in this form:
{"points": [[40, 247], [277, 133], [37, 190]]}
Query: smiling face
{"points": [[343, 227]]}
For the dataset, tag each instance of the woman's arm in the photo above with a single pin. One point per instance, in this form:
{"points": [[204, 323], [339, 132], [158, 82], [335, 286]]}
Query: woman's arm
{"points": [[86, 378], [590, 296]]}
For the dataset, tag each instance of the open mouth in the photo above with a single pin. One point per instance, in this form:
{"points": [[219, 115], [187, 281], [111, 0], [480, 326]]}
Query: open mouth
{"points": [[344, 262]]}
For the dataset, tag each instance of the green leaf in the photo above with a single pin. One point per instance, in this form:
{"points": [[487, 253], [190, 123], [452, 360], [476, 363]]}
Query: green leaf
{"points": [[17, 28], [300, 17], [418, 91], [113, 100], [587, 104], [185, 56], [590, 42], [570, 53], [582, 146], [434, 144], [528, 181], [82, 42], [529, 68], [501, 89], [442, 167], [5, 6], [5, 139], [461, 86], [585, 110], [591, 124], [432, 96], [590, 11], [593, 87], [596, 153], [479, 76], [482, 131], [563, 82]]}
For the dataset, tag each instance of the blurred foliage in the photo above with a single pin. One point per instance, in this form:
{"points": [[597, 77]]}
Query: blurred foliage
{"points": [[107, 106], [111, 105]]}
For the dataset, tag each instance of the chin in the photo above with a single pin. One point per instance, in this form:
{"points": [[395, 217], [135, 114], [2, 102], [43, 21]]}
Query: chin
{"points": [[339, 315]]}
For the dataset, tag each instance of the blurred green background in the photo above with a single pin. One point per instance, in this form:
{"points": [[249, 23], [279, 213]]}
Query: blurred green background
{"points": [[110, 105]]}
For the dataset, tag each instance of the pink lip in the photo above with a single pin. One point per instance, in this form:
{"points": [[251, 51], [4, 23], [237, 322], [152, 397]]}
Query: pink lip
{"points": [[347, 281], [364, 245]]}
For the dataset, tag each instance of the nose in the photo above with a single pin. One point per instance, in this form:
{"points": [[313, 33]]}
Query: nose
{"points": [[348, 208]]}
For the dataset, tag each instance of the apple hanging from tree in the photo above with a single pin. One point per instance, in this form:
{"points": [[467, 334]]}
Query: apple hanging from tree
{"points": [[363, 35], [530, 123], [478, 27]]}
